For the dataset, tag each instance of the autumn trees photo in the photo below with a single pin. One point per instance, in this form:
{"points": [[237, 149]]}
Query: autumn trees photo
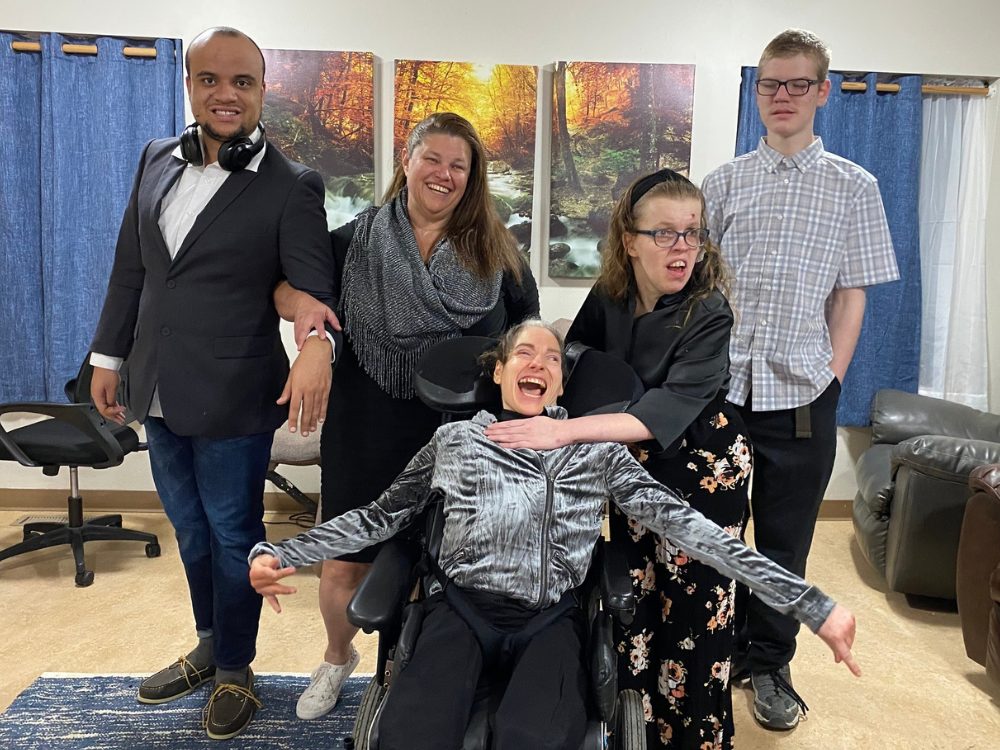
{"points": [[611, 122], [319, 111], [500, 102]]}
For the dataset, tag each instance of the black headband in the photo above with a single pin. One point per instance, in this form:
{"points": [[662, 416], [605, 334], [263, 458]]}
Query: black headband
{"points": [[650, 181]]}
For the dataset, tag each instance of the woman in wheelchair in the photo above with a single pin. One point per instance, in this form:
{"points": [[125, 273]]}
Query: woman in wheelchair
{"points": [[519, 529]]}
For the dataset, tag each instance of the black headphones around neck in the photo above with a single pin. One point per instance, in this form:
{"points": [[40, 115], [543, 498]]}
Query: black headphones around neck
{"points": [[234, 155]]}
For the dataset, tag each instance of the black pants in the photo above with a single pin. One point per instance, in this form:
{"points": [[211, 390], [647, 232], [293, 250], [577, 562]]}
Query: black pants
{"points": [[790, 476], [543, 707]]}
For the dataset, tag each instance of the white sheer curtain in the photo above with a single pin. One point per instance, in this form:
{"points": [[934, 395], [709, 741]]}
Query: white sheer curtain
{"points": [[954, 186]]}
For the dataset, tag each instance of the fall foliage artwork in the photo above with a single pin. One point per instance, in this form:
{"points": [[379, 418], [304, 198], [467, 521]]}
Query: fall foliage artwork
{"points": [[611, 123], [318, 111], [500, 102]]}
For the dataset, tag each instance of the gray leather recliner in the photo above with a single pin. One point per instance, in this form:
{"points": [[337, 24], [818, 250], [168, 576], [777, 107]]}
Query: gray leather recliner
{"points": [[913, 487]]}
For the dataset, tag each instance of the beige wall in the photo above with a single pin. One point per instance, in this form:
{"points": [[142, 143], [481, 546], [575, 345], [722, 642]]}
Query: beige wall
{"points": [[718, 36]]}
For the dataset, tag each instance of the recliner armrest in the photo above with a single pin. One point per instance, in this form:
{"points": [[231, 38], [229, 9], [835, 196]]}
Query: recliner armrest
{"points": [[874, 477], [948, 458], [378, 601], [986, 479], [897, 416]]}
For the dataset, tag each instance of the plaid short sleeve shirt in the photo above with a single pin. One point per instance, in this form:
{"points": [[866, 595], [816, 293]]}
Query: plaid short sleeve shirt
{"points": [[792, 229]]}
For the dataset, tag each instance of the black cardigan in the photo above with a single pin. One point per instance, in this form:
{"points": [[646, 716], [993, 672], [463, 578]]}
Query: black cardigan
{"points": [[682, 361]]}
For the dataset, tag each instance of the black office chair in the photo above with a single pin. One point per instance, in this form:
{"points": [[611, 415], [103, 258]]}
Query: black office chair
{"points": [[74, 435]]}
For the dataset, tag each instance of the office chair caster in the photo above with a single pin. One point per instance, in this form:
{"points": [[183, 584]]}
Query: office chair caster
{"points": [[153, 549], [84, 578]]}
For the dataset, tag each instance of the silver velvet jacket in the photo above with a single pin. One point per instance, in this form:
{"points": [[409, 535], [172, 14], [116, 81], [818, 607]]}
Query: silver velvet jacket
{"points": [[523, 523]]}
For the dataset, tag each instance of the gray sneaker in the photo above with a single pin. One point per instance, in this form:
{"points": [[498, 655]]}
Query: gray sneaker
{"points": [[776, 705]]}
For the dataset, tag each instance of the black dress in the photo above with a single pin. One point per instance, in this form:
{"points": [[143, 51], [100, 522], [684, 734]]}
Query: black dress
{"points": [[678, 649], [369, 436]]}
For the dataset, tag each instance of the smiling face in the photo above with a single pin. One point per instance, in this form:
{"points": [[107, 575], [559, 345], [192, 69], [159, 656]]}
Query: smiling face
{"points": [[789, 119], [226, 88], [531, 378], [662, 270], [437, 172]]}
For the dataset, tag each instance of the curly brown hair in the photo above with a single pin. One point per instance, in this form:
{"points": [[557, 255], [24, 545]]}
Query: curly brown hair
{"points": [[481, 241], [505, 345], [617, 276]]}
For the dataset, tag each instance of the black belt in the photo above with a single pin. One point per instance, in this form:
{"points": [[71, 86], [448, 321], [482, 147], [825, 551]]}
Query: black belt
{"points": [[803, 421], [498, 645]]}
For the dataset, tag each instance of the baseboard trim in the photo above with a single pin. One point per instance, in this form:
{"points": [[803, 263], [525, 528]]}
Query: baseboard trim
{"points": [[116, 501], [130, 501], [836, 510]]}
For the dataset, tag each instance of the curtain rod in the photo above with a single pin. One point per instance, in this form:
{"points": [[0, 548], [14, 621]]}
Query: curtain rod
{"points": [[928, 88], [892, 88], [83, 49]]}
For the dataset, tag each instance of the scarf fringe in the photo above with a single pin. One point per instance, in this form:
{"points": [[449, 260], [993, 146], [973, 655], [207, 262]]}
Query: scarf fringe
{"points": [[391, 368]]}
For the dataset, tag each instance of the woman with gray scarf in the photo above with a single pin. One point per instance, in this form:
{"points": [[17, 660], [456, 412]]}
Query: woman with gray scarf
{"points": [[433, 262]]}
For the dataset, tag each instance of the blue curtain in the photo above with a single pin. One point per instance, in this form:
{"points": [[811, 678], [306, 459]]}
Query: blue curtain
{"points": [[882, 133], [97, 113], [71, 131], [22, 352]]}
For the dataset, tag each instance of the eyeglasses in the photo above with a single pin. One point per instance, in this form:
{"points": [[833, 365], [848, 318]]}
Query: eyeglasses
{"points": [[668, 237], [794, 87]]}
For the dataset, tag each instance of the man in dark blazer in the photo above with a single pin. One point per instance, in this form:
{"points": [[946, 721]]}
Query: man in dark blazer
{"points": [[216, 219]]}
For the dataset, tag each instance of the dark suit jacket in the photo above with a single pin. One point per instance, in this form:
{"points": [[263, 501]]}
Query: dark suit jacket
{"points": [[203, 328]]}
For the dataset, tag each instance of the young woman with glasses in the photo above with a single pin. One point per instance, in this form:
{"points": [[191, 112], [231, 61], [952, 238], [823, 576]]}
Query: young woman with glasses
{"points": [[659, 304]]}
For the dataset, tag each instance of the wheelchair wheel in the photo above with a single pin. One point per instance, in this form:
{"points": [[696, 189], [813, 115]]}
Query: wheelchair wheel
{"points": [[630, 724], [371, 701]]}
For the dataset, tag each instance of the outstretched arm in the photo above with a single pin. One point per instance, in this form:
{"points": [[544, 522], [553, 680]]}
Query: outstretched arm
{"points": [[361, 527], [658, 508]]}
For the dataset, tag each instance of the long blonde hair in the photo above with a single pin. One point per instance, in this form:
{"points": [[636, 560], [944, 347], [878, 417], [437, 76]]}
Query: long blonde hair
{"points": [[617, 276], [481, 241]]}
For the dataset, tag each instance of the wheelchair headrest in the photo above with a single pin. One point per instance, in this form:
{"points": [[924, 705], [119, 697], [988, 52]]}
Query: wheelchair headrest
{"points": [[449, 379], [598, 383]]}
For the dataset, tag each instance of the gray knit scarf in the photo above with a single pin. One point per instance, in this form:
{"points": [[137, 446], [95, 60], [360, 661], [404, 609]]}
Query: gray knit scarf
{"points": [[394, 306]]}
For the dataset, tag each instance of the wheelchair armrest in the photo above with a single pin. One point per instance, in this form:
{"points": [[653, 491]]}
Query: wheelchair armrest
{"points": [[617, 596], [378, 602], [603, 666]]}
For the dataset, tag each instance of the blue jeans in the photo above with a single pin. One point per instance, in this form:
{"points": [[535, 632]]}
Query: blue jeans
{"points": [[212, 490]]}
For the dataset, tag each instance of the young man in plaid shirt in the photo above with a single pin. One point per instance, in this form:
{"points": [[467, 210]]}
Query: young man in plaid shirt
{"points": [[804, 233]]}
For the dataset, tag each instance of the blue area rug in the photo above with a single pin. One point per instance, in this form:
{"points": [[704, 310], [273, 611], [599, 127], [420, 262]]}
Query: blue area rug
{"points": [[58, 712]]}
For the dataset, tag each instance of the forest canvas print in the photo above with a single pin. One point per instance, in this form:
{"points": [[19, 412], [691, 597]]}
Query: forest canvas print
{"points": [[611, 122], [500, 102], [318, 110]]}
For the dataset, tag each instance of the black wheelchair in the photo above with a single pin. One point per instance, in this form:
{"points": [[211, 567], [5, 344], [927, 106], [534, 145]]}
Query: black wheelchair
{"points": [[450, 380]]}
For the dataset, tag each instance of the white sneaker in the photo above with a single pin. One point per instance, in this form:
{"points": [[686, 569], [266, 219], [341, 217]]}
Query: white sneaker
{"points": [[324, 687]]}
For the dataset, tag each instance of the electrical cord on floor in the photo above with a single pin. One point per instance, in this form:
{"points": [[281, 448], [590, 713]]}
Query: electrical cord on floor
{"points": [[303, 519]]}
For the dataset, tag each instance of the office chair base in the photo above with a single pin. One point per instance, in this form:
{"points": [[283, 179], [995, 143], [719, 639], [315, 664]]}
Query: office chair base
{"points": [[104, 528], [292, 491]]}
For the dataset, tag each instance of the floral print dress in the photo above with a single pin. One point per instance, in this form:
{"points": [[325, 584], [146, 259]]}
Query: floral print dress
{"points": [[677, 651]]}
